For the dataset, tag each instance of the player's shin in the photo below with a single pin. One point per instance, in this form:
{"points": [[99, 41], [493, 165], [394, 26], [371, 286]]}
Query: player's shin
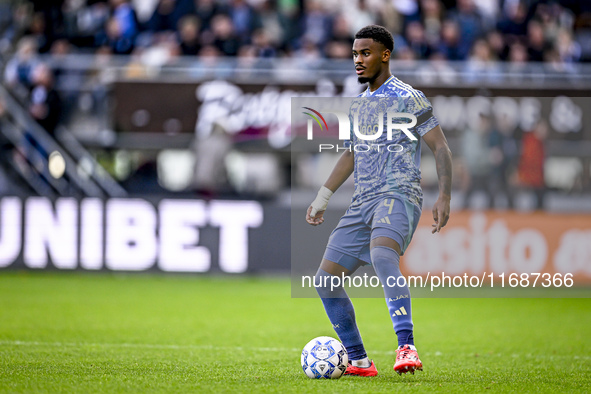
{"points": [[340, 311], [386, 264]]}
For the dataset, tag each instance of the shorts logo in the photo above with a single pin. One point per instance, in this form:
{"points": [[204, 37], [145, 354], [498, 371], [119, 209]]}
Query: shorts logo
{"points": [[399, 312], [384, 220]]}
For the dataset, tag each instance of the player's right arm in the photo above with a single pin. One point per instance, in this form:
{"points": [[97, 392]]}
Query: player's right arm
{"points": [[341, 171]]}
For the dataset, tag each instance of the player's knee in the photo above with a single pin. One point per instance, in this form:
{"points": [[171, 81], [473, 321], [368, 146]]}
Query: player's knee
{"points": [[384, 257], [326, 284]]}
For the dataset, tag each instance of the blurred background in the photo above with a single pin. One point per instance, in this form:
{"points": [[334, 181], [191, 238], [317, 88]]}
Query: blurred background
{"points": [[119, 117]]}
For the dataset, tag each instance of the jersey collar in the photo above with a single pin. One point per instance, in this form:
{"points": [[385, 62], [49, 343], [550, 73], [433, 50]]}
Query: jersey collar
{"points": [[370, 94]]}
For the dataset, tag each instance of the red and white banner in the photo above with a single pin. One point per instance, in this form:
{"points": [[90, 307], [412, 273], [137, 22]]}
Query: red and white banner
{"points": [[503, 242]]}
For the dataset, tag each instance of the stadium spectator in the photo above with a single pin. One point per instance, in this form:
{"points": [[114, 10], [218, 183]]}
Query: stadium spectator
{"points": [[6, 154], [416, 40], [247, 59], [290, 15], [432, 18], [273, 22], [45, 106], [341, 30], [406, 55], [37, 31], [308, 53], [262, 44], [316, 23], [481, 65], [18, 74], [65, 76], [45, 103], [164, 17], [407, 9], [503, 155], [224, 36], [209, 52], [476, 155], [13, 24], [438, 69], [517, 58], [244, 18], [531, 162], [189, 36], [113, 40], [88, 23], [469, 23], [497, 45], [338, 50], [168, 13], [569, 51], [358, 15], [548, 17], [513, 24], [536, 43], [450, 46], [206, 10], [5, 12], [126, 18], [48, 21], [391, 19], [210, 171], [518, 55]]}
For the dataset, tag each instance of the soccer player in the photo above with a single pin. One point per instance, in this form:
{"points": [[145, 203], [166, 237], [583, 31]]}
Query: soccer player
{"points": [[386, 204]]}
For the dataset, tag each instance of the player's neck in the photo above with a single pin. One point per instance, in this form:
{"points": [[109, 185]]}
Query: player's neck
{"points": [[379, 81]]}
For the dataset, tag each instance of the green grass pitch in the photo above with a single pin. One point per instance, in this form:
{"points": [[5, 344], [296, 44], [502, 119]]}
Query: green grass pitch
{"points": [[76, 332]]}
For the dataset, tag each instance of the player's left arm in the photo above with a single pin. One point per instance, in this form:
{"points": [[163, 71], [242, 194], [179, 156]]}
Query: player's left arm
{"points": [[437, 142]]}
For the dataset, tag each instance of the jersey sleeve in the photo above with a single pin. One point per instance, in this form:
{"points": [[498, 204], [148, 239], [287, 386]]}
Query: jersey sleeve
{"points": [[419, 106]]}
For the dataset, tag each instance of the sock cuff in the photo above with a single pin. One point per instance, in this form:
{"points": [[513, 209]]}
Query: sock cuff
{"points": [[356, 352]]}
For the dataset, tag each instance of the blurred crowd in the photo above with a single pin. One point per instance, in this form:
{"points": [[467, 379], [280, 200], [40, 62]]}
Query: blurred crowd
{"points": [[158, 31], [500, 160], [478, 32], [484, 30]]}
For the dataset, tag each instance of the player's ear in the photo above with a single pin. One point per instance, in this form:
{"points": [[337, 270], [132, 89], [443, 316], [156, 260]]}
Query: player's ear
{"points": [[386, 55]]}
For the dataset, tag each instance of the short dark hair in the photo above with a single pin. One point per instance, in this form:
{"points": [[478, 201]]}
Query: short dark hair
{"points": [[377, 33]]}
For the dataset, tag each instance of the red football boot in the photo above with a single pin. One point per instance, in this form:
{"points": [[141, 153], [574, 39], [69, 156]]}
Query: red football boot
{"points": [[407, 360], [358, 371]]}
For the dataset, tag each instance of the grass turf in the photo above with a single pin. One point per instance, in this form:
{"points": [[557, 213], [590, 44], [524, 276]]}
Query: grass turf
{"points": [[76, 332]]}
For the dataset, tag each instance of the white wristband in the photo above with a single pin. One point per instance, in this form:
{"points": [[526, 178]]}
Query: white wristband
{"points": [[321, 201]]}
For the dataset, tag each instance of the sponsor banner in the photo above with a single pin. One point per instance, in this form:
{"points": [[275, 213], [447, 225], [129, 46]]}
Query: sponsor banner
{"points": [[478, 254], [134, 234], [506, 243], [260, 111], [175, 235], [247, 111]]}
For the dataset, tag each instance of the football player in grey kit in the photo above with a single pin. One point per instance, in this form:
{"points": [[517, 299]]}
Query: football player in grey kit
{"points": [[386, 205]]}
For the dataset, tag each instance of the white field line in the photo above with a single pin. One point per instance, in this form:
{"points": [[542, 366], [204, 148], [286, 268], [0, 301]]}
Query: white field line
{"points": [[145, 346], [254, 349]]}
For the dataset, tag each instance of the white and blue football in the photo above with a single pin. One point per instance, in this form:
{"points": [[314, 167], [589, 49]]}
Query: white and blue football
{"points": [[324, 358]]}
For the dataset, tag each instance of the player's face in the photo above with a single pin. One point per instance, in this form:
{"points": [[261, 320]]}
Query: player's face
{"points": [[368, 56]]}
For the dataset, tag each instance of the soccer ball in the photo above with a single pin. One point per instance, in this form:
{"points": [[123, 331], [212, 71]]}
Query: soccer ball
{"points": [[324, 358]]}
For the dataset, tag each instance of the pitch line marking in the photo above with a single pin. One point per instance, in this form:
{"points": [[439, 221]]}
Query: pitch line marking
{"points": [[243, 348]]}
